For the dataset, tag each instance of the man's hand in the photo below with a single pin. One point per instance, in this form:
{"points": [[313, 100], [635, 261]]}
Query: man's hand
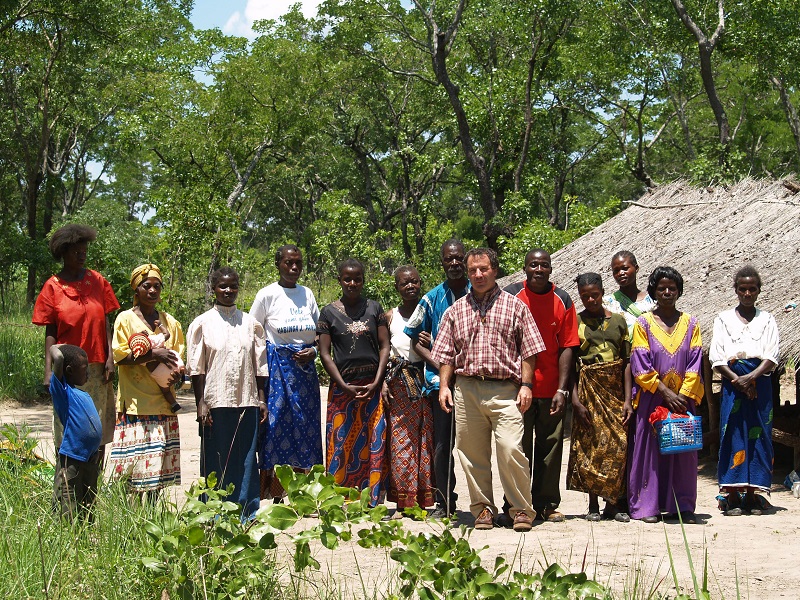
{"points": [[557, 404], [524, 398], [627, 412], [424, 339], [446, 399]]}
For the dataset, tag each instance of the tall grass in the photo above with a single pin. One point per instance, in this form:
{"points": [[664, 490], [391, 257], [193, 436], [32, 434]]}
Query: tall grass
{"points": [[21, 355]]}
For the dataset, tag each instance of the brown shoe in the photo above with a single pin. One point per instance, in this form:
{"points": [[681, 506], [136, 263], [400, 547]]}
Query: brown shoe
{"points": [[485, 520], [552, 516], [522, 522]]}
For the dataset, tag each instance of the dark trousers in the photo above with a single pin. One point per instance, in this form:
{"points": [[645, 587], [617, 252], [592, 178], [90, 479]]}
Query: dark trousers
{"points": [[75, 485], [543, 444], [444, 437]]}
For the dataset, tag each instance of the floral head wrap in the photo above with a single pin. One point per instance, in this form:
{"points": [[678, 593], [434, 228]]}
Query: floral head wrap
{"points": [[141, 273]]}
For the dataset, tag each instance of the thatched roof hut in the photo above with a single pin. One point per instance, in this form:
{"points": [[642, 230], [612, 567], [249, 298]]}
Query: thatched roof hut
{"points": [[707, 234]]}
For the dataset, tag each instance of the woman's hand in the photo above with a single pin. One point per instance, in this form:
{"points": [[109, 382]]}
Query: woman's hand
{"points": [[365, 392], [164, 356], [108, 371], [673, 401], [581, 414], [204, 414], [745, 385], [350, 391], [304, 356], [264, 413], [627, 412]]}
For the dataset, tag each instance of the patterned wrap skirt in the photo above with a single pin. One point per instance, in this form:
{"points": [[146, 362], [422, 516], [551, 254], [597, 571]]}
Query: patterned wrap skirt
{"points": [[745, 438], [410, 437], [597, 455], [356, 438], [146, 451]]}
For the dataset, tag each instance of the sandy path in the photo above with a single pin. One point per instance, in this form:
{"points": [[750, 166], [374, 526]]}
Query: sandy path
{"points": [[763, 549]]}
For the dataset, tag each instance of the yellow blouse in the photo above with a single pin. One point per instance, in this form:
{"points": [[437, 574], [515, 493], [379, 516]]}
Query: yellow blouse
{"points": [[138, 393]]}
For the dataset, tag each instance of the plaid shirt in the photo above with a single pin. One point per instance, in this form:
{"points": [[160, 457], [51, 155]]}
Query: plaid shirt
{"points": [[487, 338]]}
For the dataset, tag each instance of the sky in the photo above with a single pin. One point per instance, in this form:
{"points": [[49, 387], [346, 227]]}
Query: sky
{"points": [[235, 17]]}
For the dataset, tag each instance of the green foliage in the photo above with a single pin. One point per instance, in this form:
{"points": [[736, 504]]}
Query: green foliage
{"points": [[206, 551], [535, 232]]}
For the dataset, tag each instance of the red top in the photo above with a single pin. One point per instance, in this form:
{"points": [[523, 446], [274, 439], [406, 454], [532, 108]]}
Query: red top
{"points": [[78, 309], [487, 338], [557, 321]]}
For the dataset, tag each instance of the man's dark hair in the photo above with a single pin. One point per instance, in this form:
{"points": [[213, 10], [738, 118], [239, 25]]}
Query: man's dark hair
{"points": [[72, 355], [491, 254]]}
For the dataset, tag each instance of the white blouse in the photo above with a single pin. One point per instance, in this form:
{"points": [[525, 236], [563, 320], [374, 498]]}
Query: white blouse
{"points": [[732, 338], [229, 347], [400, 342]]}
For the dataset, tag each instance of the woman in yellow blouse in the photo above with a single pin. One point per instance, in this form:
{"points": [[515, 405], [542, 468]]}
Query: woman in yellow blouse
{"points": [[146, 447]]}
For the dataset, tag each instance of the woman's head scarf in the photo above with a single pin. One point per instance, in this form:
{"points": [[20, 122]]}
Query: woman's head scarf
{"points": [[141, 273]]}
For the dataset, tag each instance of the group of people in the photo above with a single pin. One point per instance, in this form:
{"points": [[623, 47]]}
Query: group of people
{"points": [[435, 378]]}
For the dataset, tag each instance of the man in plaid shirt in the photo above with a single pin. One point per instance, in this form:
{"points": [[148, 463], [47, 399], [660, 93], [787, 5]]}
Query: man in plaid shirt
{"points": [[488, 341]]}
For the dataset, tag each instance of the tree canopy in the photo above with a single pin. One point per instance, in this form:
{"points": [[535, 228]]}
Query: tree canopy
{"points": [[376, 129]]}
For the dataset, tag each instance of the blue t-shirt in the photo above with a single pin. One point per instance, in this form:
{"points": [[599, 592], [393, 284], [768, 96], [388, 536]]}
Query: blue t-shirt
{"points": [[426, 317], [82, 428]]}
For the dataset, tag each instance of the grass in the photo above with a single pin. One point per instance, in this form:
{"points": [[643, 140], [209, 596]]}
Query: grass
{"points": [[21, 356]]}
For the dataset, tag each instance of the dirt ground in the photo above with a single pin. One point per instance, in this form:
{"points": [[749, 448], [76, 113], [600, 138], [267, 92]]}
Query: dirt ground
{"points": [[762, 550]]}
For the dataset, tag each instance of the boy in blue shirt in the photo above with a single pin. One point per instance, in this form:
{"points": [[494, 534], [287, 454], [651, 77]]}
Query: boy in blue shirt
{"points": [[75, 484]]}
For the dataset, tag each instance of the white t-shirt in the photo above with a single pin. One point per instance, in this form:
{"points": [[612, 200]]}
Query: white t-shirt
{"points": [[733, 338], [400, 342], [288, 315]]}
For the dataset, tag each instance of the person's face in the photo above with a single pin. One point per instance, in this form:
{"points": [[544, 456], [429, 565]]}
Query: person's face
{"points": [[226, 290], [592, 297], [78, 372], [149, 291], [537, 270], [408, 285], [453, 262], [747, 290], [481, 274], [75, 255], [352, 281], [289, 267], [666, 293], [624, 271]]}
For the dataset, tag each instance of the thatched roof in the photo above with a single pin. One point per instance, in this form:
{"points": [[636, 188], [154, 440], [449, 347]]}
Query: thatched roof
{"points": [[707, 234]]}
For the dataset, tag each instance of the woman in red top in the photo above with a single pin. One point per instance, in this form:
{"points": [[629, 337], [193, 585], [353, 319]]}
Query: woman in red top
{"points": [[73, 307]]}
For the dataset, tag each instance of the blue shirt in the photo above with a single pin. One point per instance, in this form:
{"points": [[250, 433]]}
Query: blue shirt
{"points": [[426, 317], [82, 428]]}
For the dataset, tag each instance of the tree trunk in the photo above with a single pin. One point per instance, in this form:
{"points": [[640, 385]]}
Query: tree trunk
{"points": [[791, 112]]}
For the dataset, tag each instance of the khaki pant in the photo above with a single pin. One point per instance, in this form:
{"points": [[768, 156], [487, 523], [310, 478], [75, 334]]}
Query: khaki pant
{"points": [[483, 409]]}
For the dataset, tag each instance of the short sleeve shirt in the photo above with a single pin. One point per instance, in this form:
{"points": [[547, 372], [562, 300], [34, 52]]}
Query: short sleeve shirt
{"points": [[354, 340], [557, 321], [82, 428], [78, 309], [288, 315]]}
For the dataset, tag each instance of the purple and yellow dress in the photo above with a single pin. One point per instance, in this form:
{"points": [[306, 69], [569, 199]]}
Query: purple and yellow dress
{"points": [[655, 481]]}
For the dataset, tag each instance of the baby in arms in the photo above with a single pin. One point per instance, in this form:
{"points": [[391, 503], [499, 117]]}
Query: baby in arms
{"points": [[141, 343]]}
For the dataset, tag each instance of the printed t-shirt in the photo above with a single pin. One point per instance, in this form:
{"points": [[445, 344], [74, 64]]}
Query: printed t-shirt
{"points": [[78, 309], [82, 428], [288, 315], [557, 321]]}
